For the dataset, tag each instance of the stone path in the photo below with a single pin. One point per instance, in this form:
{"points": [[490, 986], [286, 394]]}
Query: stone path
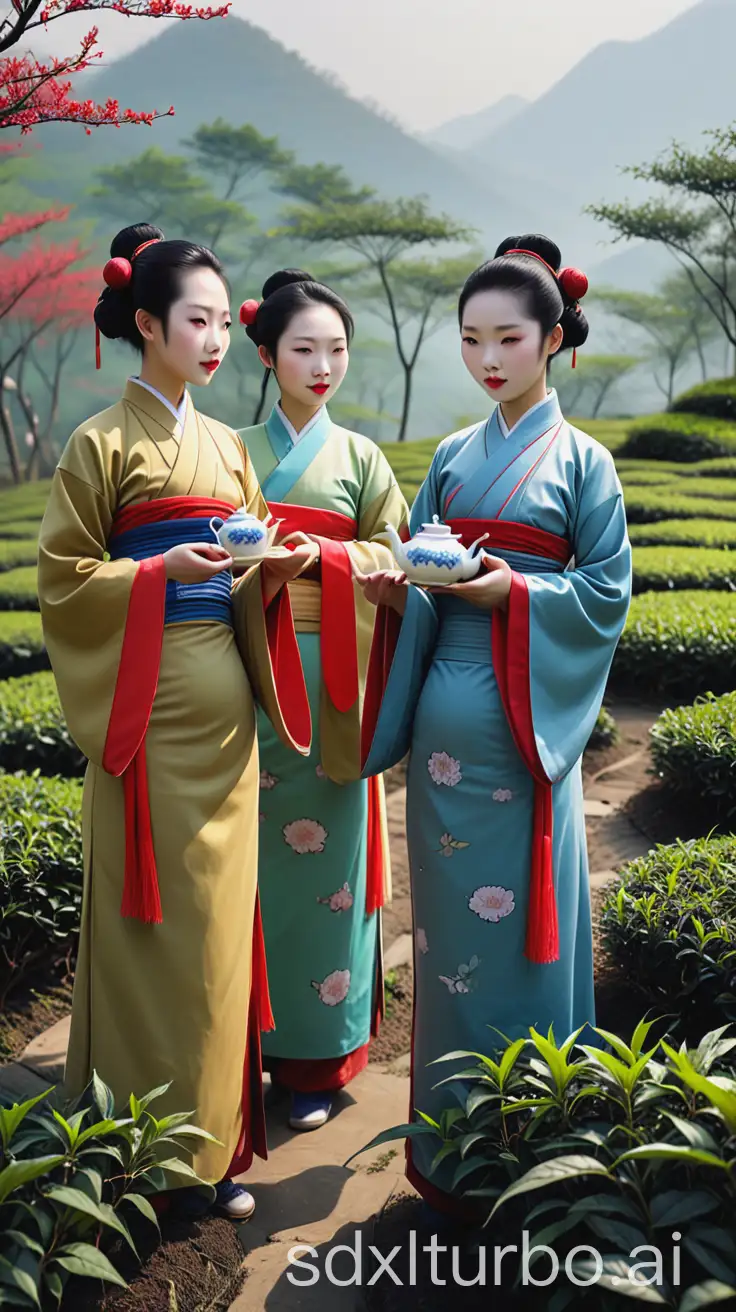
{"points": [[304, 1192]]}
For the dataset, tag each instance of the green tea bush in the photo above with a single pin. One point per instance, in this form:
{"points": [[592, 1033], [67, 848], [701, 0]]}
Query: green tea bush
{"points": [[19, 528], [716, 399], [661, 568], [724, 467], [73, 1182], [40, 871], [646, 505], [19, 589], [605, 733], [633, 477], [574, 1145], [684, 437], [685, 533], [33, 733], [677, 644], [671, 928], [21, 644], [694, 752], [18, 551], [720, 488]]}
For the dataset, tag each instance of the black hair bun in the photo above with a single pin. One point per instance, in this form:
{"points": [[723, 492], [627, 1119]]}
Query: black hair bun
{"points": [[114, 313], [536, 244], [283, 278]]}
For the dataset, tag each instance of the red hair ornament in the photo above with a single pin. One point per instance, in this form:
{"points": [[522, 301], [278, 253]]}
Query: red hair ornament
{"points": [[117, 274], [248, 312], [573, 282]]}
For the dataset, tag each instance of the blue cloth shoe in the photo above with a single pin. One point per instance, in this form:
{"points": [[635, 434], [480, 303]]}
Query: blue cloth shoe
{"points": [[309, 1110], [234, 1201]]}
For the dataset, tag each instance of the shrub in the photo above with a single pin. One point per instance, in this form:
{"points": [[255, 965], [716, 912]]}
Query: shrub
{"points": [[648, 505], [716, 399], [679, 437], [647, 477], [660, 568], [18, 551], [71, 1184], [605, 733], [19, 528], [21, 644], [40, 870], [725, 467], [720, 488], [694, 752], [685, 533], [18, 589], [577, 1145], [678, 644], [671, 926], [33, 733]]}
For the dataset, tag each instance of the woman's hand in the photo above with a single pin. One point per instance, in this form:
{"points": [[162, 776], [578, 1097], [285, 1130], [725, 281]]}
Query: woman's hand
{"points": [[385, 587], [282, 569], [195, 562], [490, 588]]}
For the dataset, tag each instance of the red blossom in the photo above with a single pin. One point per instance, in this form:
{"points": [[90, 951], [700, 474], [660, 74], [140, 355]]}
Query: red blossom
{"points": [[33, 92], [24, 277], [20, 225]]}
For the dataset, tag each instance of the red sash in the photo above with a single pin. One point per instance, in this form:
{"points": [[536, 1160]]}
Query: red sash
{"points": [[510, 648]]}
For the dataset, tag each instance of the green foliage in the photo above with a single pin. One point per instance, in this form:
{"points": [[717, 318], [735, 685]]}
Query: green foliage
{"points": [[73, 1181], [685, 533], [677, 644], [649, 505], [19, 528], [19, 551], [19, 589], [613, 1146], [724, 467], [660, 568], [635, 475], [671, 928], [25, 502], [40, 870], [694, 752], [605, 733], [33, 733], [679, 437], [21, 644], [716, 399]]}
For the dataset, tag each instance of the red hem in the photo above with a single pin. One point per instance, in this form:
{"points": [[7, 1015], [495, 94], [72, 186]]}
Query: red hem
{"points": [[383, 649], [375, 856], [253, 1129], [288, 674], [338, 630], [314, 1076]]}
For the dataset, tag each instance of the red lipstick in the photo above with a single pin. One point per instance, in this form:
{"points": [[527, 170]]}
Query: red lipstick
{"points": [[210, 365], [494, 383], [319, 388]]}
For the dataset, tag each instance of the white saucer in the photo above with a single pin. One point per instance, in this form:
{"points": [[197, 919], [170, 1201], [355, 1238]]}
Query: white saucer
{"points": [[271, 553]]}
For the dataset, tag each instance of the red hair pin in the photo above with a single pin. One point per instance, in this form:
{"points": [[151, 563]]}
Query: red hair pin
{"points": [[574, 283]]}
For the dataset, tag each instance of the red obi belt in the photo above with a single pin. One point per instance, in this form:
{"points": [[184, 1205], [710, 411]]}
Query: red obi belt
{"points": [[339, 644]]}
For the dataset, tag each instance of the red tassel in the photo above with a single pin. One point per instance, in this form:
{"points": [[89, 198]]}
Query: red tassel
{"points": [[141, 899], [574, 357], [542, 931], [98, 356]]}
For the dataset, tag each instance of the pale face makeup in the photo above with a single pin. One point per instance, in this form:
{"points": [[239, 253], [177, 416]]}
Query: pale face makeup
{"points": [[504, 351], [197, 335], [312, 357]]}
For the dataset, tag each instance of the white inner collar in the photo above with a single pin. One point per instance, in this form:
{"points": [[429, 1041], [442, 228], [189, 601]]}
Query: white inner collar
{"points": [[178, 413], [296, 437]]}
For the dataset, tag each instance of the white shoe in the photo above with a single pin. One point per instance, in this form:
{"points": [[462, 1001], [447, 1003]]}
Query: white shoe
{"points": [[309, 1111], [234, 1201]]}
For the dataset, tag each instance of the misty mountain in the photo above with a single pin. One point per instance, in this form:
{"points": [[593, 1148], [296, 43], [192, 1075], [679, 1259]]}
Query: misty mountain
{"points": [[469, 130]]}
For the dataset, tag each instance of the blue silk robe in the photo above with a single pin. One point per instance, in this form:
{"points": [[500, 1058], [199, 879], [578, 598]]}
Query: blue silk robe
{"points": [[496, 713]]}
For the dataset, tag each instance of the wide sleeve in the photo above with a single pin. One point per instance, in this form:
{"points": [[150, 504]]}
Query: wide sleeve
{"points": [[102, 620], [554, 645], [267, 642], [401, 653]]}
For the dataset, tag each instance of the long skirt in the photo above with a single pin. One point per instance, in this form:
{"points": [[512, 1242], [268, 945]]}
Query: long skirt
{"points": [[164, 1003], [321, 949]]}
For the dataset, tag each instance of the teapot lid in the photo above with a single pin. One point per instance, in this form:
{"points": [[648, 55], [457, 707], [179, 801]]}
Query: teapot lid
{"points": [[437, 529]]}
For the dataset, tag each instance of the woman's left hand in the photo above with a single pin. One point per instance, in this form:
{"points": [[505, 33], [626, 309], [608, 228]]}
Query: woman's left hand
{"points": [[490, 588]]}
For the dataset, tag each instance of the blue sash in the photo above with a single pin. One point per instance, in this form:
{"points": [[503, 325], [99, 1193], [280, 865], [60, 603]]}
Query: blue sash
{"points": [[210, 600]]}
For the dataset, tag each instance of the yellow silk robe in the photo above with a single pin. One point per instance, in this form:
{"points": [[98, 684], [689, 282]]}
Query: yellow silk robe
{"points": [[155, 1003]]}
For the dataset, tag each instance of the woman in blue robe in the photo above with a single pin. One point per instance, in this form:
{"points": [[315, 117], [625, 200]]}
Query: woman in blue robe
{"points": [[494, 687]]}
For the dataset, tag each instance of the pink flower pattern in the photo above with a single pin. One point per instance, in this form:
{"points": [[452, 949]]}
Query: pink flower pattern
{"points": [[334, 988], [305, 836], [342, 900]]}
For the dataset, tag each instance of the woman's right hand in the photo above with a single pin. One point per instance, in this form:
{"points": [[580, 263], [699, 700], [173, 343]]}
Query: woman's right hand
{"points": [[385, 587], [195, 562]]}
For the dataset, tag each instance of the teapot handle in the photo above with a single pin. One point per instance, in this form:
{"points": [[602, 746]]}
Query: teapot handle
{"points": [[216, 520]]}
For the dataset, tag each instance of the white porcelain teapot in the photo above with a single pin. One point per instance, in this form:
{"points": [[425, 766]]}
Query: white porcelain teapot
{"points": [[245, 535], [435, 555]]}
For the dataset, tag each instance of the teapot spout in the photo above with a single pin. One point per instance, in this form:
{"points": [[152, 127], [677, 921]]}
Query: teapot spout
{"points": [[397, 546]]}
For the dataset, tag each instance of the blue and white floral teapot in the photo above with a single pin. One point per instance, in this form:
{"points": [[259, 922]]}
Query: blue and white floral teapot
{"points": [[435, 555], [245, 535]]}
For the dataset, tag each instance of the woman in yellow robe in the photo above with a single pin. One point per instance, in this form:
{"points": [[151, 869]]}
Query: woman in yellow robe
{"points": [[157, 665]]}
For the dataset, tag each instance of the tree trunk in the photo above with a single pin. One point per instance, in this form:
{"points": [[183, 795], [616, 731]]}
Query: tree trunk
{"points": [[11, 446], [406, 404]]}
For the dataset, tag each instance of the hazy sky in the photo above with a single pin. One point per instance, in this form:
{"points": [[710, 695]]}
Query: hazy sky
{"points": [[428, 60]]}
